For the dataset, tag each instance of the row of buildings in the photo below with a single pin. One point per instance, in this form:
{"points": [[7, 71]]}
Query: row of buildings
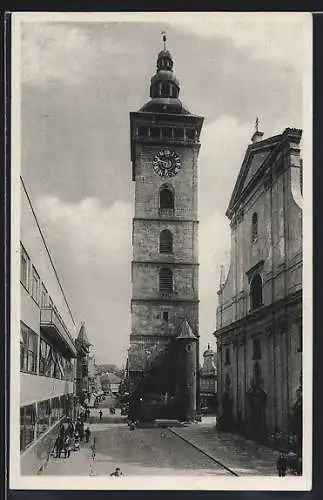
{"points": [[57, 369]]}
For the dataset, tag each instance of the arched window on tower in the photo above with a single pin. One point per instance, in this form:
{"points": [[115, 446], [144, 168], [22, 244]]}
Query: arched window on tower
{"points": [[166, 201], [165, 280], [256, 291], [254, 227], [165, 241]]}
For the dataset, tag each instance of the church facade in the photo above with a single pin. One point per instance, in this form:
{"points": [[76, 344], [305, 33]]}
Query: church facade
{"points": [[259, 315], [164, 306]]}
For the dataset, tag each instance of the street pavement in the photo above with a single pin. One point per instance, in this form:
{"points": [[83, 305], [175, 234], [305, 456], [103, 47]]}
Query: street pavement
{"points": [[194, 449], [242, 456]]}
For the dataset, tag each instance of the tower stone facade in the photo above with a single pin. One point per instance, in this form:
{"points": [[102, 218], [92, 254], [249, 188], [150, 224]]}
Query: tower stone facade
{"points": [[164, 152]]}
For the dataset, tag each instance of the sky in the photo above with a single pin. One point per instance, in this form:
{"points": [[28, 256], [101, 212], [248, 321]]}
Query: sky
{"points": [[79, 82]]}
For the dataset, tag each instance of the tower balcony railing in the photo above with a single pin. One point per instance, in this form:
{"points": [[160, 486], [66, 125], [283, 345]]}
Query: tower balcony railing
{"points": [[52, 325]]}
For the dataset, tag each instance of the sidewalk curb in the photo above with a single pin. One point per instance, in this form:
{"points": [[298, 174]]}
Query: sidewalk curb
{"points": [[204, 452]]}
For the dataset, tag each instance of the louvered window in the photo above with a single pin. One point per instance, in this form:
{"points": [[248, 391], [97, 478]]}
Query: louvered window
{"points": [[165, 242], [165, 280], [166, 199]]}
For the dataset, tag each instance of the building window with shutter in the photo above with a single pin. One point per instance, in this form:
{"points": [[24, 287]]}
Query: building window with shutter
{"points": [[165, 242], [165, 280], [254, 227], [166, 199]]}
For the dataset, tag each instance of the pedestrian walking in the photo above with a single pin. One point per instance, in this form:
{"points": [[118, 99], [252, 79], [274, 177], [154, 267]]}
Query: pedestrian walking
{"points": [[60, 446], [70, 429], [61, 430], [55, 448], [282, 465], [87, 434], [100, 414], [67, 446], [76, 441], [116, 473], [81, 431], [93, 450]]}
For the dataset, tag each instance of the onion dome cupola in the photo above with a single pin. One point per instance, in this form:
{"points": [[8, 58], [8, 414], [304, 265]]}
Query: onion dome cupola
{"points": [[164, 86]]}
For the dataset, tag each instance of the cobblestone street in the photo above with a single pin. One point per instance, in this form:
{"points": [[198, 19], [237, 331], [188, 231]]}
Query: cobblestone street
{"points": [[196, 449]]}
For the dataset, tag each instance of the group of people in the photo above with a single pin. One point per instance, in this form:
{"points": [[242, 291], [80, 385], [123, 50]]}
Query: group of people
{"points": [[282, 464], [69, 437]]}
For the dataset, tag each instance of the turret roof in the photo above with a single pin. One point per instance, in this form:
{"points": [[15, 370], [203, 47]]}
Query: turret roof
{"points": [[185, 331]]}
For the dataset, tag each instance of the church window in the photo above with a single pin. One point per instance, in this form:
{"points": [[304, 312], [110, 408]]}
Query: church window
{"points": [[165, 316], [166, 241], [227, 356], [254, 227], [256, 292], [165, 280], [166, 198], [256, 349]]}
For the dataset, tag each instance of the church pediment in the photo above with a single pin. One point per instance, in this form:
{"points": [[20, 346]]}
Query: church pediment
{"points": [[257, 157]]}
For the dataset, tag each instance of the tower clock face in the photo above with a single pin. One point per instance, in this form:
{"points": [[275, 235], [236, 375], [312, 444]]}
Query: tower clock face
{"points": [[166, 163]]}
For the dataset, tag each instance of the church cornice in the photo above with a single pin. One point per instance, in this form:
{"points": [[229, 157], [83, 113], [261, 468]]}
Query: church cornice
{"points": [[261, 313]]}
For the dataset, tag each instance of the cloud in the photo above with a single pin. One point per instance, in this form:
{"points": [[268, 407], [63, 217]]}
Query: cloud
{"points": [[65, 52], [224, 142], [91, 246], [278, 38]]}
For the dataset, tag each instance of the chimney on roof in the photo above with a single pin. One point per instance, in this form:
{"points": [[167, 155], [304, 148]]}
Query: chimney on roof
{"points": [[257, 135]]}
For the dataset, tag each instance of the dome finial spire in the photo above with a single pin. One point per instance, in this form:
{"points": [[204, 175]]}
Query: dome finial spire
{"points": [[164, 38]]}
